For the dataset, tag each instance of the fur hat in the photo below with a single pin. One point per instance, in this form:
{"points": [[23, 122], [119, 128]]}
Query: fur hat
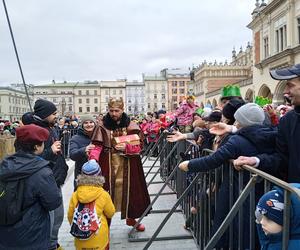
{"points": [[271, 205], [249, 114], [43, 108]]}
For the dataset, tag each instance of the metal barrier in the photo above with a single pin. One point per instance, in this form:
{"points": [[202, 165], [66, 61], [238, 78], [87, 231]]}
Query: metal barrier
{"points": [[204, 190]]}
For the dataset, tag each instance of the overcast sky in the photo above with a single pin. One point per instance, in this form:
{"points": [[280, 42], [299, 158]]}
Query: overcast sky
{"points": [[77, 40]]}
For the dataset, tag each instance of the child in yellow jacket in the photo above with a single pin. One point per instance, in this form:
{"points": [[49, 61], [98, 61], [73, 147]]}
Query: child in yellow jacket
{"points": [[91, 194]]}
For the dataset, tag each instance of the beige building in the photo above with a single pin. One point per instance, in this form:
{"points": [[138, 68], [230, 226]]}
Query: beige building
{"points": [[209, 78], [81, 98], [156, 93], [13, 103], [276, 36], [111, 89], [177, 81]]}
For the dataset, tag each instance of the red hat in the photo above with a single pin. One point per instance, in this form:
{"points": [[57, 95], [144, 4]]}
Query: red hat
{"points": [[32, 134]]}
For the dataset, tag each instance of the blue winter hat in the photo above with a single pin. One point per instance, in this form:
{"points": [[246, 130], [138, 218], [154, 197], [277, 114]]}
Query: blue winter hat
{"points": [[91, 168], [271, 204], [286, 73]]}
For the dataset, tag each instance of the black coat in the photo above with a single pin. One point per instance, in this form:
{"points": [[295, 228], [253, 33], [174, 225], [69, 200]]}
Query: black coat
{"points": [[57, 161], [41, 195], [248, 141], [78, 144], [286, 158]]}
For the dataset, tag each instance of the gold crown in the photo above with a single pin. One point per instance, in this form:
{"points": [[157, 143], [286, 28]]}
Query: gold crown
{"points": [[116, 103]]}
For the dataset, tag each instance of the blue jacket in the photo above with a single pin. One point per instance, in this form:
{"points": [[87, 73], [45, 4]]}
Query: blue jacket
{"points": [[274, 242], [286, 158], [78, 144], [248, 141], [41, 195]]}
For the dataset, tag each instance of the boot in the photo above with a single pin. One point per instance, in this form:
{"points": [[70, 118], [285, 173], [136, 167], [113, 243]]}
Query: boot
{"points": [[132, 222]]}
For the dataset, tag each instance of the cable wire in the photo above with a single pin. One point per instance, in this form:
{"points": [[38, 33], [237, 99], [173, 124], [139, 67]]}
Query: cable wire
{"points": [[17, 55]]}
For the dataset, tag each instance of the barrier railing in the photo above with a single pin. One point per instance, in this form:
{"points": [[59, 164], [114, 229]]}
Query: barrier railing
{"points": [[203, 191]]}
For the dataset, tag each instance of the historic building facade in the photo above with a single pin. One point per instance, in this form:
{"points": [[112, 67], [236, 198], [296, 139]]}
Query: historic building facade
{"points": [[177, 81], [156, 93], [135, 98], [276, 42], [13, 103], [209, 78]]}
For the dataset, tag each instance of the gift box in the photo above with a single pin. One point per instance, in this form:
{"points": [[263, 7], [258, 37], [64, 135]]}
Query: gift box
{"points": [[127, 139]]}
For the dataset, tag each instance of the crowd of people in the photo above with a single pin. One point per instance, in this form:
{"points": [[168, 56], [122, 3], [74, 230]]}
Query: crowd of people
{"points": [[109, 176]]}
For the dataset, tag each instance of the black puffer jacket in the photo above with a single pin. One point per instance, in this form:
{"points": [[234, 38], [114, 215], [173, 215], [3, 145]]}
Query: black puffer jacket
{"points": [[41, 195], [57, 162]]}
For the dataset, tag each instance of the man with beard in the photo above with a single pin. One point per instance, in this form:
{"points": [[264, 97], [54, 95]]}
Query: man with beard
{"points": [[121, 163], [286, 159], [45, 115]]}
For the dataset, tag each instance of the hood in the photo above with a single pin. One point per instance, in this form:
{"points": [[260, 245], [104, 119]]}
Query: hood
{"points": [[89, 188], [20, 165], [263, 137]]}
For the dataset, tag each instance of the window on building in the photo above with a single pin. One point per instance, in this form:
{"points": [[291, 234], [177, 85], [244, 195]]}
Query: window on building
{"points": [[80, 100], [266, 47], [54, 100], [181, 91], [174, 83], [80, 109], [87, 100], [174, 98], [155, 96], [149, 105], [129, 101], [70, 108], [79, 92], [87, 92], [120, 92], [129, 108], [88, 109], [163, 96], [106, 92], [298, 21], [181, 83], [155, 105], [174, 106], [70, 99], [114, 92], [281, 38], [95, 92], [96, 109], [95, 100], [163, 105], [174, 91], [106, 99]]}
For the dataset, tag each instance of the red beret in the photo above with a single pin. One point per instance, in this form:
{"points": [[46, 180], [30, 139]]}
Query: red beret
{"points": [[32, 134]]}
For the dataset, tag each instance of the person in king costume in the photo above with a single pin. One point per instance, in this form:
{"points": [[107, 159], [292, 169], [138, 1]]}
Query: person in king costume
{"points": [[121, 162]]}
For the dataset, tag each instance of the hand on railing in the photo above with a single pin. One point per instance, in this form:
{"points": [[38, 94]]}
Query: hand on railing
{"points": [[184, 166], [220, 128], [244, 160], [177, 136]]}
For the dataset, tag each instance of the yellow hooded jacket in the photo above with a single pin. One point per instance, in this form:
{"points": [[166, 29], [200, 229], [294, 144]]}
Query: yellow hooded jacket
{"points": [[90, 189]]}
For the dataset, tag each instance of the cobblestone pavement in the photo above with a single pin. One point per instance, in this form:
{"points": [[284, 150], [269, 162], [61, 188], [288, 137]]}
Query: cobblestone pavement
{"points": [[119, 231]]}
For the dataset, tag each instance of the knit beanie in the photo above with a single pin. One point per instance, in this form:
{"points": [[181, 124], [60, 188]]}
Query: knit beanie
{"points": [[271, 205], [249, 114], [91, 168], [43, 108], [230, 108], [84, 118]]}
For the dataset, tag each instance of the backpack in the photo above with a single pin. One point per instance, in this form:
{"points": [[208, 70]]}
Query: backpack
{"points": [[85, 221], [11, 202]]}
